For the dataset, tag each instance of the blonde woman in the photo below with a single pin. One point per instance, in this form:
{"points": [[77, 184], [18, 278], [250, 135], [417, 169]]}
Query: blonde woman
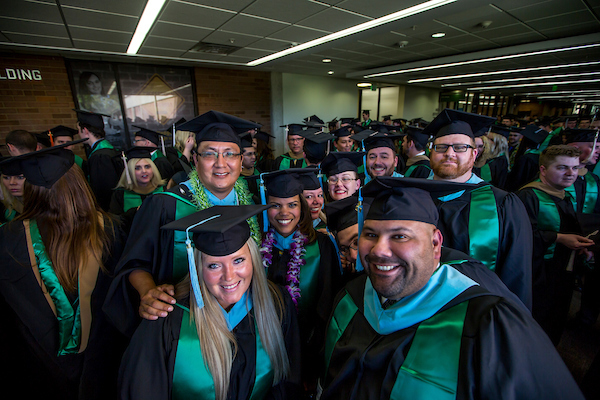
{"points": [[232, 334], [493, 165], [139, 180]]}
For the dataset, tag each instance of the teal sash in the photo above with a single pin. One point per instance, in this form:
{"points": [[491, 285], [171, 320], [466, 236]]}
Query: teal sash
{"points": [[102, 144], [134, 200], [191, 377], [548, 218], [430, 370], [546, 141], [484, 229], [342, 315], [486, 173], [69, 322], [591, 194], [10, 215], [287, 161], [180, 260], [309, 278]]}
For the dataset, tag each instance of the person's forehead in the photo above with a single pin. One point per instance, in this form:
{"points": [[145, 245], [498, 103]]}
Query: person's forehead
{"points": [[381, 150], [218, 145], [248, 149], [565, 160], [294, 136], [313, 192], [348, 233], [395, 225]]}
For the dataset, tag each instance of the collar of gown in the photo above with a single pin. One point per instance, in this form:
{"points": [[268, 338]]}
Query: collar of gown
{"points": [[238, 312], [473, 179], [230, 200]]}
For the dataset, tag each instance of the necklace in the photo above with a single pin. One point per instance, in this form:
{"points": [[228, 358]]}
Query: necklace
{"points": [[297, 250], [201, 201]]}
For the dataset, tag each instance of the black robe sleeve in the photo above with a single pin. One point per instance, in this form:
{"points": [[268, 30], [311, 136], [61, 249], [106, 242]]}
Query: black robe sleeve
{"points": [[164, 167], [499, 170], [103, 175], [117, 202], [525, 170]]}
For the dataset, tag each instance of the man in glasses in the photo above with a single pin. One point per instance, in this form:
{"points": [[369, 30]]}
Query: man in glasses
{"points": [[295, 157], [483, 221]]}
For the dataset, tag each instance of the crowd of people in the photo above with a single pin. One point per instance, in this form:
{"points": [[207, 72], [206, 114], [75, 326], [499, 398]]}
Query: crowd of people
{"points": [[392, 259]]}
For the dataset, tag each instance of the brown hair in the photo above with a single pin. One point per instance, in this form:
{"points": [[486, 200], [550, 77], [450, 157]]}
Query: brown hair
{"points": [[550, 153], [305, 226], [24, 141], [69, 219]]}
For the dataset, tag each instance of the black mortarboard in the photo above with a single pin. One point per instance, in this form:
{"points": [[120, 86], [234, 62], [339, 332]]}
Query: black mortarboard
{"points": [[417, 135], [315, 147], [264, 136], [377, 127], [291, 129], [362, 135], [44, 139], [341, 161], [139, 152], [450, 122], [501, 130], [387, 117], [90, 118], [408, 198], [366, 111], [151, 135], [218, 230], [399, 120], [202, 122], [10, 167], [285, 183], [581, 135], [381, 140], [357, 128], [245, 140], [346, 120], [176, 125], [343, 131], [310, 180], [342, 214], [62, 130], [45, 167], [314, 121], [534, 133]]}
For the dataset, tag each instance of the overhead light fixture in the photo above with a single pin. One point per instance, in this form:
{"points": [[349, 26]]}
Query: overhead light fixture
{"points": [[529, 78], [536, 84], [419, 8], [146, 21], [562, 92], [363, 84], [506, 71], [484, 60], [438, 35], [326, 60], [330, 72]]}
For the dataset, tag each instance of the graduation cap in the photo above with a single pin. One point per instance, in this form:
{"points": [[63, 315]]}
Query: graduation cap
{"points": [[381, 140], [343, 131], [314, 121], [344, 121], [264, 136], [10, 167], [176, 125], [310, 180], [316, 143], [245, 141], [341, 161], [408, 198], [342, 214], [291, 129], [63, 131], [399, 121], [581, 135], [378, 127], [450, 122], [202, 122], [44, 139], [534, 133], [46, 166], [217, 231], [387, 117], [362, 135], [139, 152], [153, 136], [501, 130], [90, 118], [416, 134]]}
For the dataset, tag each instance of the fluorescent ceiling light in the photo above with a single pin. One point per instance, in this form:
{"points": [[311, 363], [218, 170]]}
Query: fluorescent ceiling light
{"points": [[561, 92], [419, 8], [529, 78], [438, 35], [483, 60], [330, 72], [146, 21], [363, 84], [326, 60], [536, 84], [507, 71]]}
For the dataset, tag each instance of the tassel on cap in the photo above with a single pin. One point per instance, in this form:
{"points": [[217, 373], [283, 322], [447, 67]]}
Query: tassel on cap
{"points": [[127, 174]]}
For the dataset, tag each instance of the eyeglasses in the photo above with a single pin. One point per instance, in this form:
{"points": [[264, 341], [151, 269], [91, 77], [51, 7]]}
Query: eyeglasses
{"points": [[295, 140], [346, 249], [345, 179], [139, 140], [213, 155], [458, 148], [249, 154]]}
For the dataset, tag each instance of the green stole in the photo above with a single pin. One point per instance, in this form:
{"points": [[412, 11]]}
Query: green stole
{"points": [[486, 173], [156, 154], [309, 278], [546, 141], [10, 215], [79, 161], [69, 320], [484, 228], [548, 218], [430, 369], [191, 377], [101, 144], [183, 208], [591, 193], [410, 170], [133, 200], [287, 161]]}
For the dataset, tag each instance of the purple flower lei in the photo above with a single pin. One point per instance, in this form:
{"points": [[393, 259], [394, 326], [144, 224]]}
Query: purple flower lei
{"points": [[297, 250]]}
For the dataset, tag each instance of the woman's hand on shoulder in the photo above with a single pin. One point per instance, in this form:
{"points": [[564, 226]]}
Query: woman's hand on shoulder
{"points": [[157, 302]]}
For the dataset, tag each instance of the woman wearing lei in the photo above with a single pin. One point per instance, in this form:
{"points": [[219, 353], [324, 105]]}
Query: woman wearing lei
{"points": [[301, 259]]}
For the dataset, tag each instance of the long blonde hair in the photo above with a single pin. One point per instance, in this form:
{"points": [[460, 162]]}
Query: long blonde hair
{"points": [[218, 344], [180, 138], [156, 181]]}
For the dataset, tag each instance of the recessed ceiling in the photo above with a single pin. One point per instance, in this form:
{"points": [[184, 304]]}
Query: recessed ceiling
{"points": [[474, 30]]}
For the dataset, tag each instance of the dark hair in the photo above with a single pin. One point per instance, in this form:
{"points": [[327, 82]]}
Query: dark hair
{"points": [[263, 150], [305, 226], [98, 132], [418, 145], [84, 77], [551, 152], [22, 140]]}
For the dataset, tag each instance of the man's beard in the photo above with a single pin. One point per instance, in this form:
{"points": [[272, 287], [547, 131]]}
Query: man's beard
{"points": [[451, 171]]}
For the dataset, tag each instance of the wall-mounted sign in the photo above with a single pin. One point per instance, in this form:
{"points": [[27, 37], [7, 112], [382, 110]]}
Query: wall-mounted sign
{"points": [[18, 74]]}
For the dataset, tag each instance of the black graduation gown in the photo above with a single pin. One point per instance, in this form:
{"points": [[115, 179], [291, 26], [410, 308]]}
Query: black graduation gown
{"points": [[148, 248], [147, 368], [117, 201], [499, 171], [504, 354], [312, 324], [552, 284], [164, 167], [513, 259], [104, 167], [423, 170], [29, 334], [178, 161], [525, 170], [294, 163]]}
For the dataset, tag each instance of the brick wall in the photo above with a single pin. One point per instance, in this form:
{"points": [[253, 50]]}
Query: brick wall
{"points": [[245, 94], [34, 105]]}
